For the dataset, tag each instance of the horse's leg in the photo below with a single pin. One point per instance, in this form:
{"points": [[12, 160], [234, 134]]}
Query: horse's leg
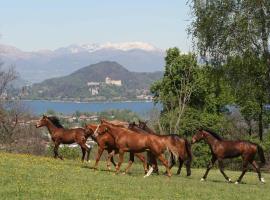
{"points": [[257, 169], [154, 164], [83, 153], [172, 160], [188, 167], [221, 169], [121, 158], [110, 159], [88, 149], [100, 151], [180, 166], [165, 163], [209, 166], [85, 149], [244, 170], [142, 158], [55, 150], [148, 155], [130, 162]]}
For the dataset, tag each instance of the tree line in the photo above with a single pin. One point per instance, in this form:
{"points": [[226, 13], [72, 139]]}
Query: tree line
{"points": [[229, 68]]}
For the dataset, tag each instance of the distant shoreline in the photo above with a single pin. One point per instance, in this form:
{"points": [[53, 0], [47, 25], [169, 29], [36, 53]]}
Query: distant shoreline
{"points": [[62, 101]]}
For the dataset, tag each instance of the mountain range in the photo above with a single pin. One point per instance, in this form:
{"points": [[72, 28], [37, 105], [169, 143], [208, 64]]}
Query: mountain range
{"points": [[37, 66], [75, 86]]}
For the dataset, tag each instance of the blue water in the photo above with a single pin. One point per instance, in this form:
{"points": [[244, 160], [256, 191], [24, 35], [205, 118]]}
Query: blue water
{"points": [[39, 107]]}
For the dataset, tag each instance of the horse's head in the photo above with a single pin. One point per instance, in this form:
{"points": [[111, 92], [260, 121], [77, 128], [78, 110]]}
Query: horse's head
{"points": [[101, 129], [142, 124], [90, 128], [131, 125], [42, 122], [198, 136]]}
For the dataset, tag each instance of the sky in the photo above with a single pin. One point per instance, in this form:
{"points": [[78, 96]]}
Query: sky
{"points": [[49, 24]]}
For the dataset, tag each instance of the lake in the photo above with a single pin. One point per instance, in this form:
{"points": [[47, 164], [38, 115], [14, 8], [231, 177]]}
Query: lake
{"points": [[41, 106]]}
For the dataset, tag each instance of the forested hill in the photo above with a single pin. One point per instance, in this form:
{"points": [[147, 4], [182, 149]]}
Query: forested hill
{"points": [[75, 84]]}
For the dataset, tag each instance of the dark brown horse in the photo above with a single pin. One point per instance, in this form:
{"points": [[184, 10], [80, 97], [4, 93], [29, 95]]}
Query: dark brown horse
{"points": [[151, 159], [127, 140], [106, 142], [184, 153], [60, 135], [222, 149]]}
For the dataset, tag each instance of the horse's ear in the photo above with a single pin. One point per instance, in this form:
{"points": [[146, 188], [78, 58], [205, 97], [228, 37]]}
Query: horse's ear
{"points": [[102, 120]]}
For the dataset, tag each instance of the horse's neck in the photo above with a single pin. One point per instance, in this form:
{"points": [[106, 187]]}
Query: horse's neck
{"points": [[51, 127], [114, 131], [211, 140]]}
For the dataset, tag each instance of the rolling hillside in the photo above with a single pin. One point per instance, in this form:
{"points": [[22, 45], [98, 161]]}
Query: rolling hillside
{"points": [[32, 177], [75, 84]]}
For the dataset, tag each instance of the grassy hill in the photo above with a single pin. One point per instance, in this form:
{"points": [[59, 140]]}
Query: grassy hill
{"points": [[75, 84], [31, 177]]}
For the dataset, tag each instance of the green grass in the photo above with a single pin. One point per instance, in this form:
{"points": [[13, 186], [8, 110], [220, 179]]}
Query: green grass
{"points": [[31, 177]]}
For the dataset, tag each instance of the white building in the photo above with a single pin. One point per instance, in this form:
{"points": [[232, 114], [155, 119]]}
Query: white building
{"points": [[109, 81]]}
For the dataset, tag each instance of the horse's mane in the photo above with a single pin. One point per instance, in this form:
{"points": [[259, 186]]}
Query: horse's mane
{"points": [[55, 121], [214, 134]]}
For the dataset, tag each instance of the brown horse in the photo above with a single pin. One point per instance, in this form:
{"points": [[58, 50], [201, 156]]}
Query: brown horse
{"points": [[151, 159], [106, 142], [222, 149], [60, 135], [184, 153], [127, 140]]}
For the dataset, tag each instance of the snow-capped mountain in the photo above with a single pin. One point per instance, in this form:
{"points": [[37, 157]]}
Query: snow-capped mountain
{"points": [[43, 64]]}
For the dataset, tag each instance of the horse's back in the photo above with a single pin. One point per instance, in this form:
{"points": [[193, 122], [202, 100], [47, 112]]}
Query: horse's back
{"points": [[236, 148]]}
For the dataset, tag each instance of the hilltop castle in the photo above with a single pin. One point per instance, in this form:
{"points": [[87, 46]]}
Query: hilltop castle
{"points": [[109, 81]]}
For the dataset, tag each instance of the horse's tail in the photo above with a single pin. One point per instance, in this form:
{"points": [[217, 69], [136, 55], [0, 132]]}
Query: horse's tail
{"points": [[172, 149], [261, 154]]}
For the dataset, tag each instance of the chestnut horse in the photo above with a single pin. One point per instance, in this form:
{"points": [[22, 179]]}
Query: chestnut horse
{"points": [[60, 135], [184, 153], [127, 140], [151, 159], [221, 149], [106, 142]]}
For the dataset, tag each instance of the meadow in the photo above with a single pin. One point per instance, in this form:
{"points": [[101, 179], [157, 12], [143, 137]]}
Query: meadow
{"points": [[34, 177]]}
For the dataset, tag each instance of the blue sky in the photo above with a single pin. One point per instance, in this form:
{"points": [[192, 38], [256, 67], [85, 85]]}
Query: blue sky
{"points": [[49, 24]]}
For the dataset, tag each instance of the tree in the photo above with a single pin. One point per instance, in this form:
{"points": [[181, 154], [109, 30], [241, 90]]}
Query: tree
{"points": [[230, 31], [8, 118], [176, 87]]}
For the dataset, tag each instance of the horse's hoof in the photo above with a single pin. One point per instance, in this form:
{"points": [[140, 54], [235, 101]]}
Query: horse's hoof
{"points": [[124, 173], [88, 161], [262, 180], [202, 179], [236, 182], [229, 180]]}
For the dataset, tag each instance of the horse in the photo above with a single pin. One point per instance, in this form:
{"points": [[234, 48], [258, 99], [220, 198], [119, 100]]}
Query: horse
{"points": [[127, 140], [60, 135], [106, 142], [221, 149], [184, 153], [151, 160]]}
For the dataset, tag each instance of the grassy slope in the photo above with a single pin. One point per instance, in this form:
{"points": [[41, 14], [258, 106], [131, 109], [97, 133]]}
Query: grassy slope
{"points": [[30, 177]]}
